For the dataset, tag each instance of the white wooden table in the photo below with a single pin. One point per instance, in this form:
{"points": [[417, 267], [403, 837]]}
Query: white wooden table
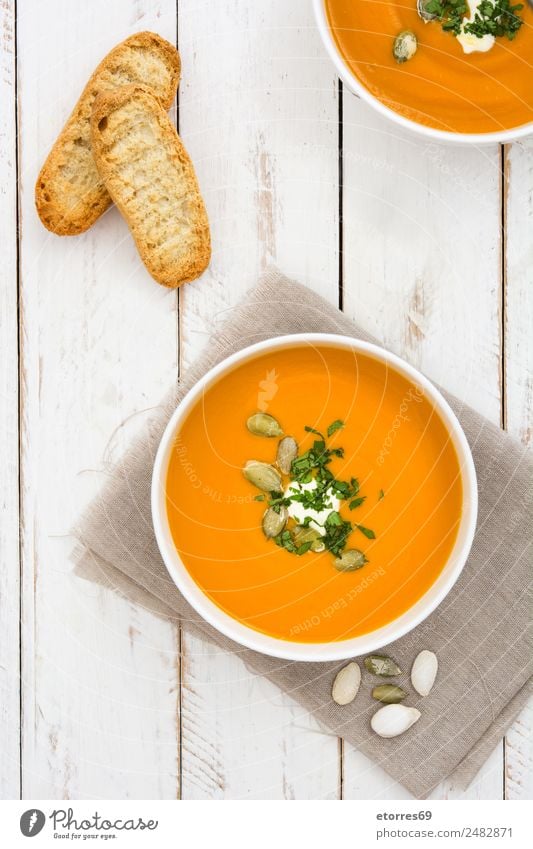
{"points": [[102, 699]]}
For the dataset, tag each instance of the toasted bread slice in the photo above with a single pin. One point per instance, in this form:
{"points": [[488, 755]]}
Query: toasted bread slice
{"points": [[69, 193], [150, 177]]}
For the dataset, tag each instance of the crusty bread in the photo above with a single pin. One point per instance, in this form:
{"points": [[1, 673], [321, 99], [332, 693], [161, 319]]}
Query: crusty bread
{"points": [[150, 177], [69, 193]]}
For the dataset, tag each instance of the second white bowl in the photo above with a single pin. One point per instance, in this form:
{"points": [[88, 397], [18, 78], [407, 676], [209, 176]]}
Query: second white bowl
{"points": [[349, 78]]}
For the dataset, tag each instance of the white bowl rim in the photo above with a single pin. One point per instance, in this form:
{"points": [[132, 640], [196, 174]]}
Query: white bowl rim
{"points": [[357, 87], [342, 649]]}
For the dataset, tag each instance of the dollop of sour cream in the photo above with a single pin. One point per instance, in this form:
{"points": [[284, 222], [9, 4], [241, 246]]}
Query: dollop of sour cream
{"points": [[299, 512], [470, 42]]}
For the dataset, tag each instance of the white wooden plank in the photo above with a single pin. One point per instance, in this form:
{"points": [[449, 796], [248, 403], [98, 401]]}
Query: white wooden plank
{"points": [[101, 678], [421, 271], [519, 291], [258, 113], [519, 393], [9, 546]]}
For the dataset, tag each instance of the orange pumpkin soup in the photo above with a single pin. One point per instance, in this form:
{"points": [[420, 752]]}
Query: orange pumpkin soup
{"points": [[441, 85], [383, 436]]}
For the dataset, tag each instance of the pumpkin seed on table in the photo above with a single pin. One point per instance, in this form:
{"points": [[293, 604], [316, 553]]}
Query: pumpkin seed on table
{"points": [[274, 521], [380, 664], [405, 46], [262, 424], [287, 452], [350, 560], [389, 694], [346, 684], [302, 535], [262, 476], [424, 671], [392, 720]]}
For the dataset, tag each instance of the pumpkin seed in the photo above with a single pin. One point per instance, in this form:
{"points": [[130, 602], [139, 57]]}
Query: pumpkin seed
{"points": [[262, 476], [380, 664], [405, 46], [302, 535], [287, 452], [391, 720], [346, 684], [262, 424], [350, 560], [389, 694], [274, 522], [424, 672]]}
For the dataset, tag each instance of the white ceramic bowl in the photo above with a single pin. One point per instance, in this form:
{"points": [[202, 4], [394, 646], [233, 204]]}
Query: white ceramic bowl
{"points": [[358, 88], [314, 651]]}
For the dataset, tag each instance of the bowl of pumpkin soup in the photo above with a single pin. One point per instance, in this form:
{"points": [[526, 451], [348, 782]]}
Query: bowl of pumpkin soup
{"points": [[314, 497], [457, 71]]}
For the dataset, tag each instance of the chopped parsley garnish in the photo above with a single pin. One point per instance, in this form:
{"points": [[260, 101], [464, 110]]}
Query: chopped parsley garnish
{"points": [[285, 540], [337, 532], [313, 466], [312, 430], [381, 495], [493, 17], [449, 12]]}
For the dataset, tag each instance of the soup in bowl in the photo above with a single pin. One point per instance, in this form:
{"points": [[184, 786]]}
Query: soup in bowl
{"points": [[314, 497], [461, 72]]}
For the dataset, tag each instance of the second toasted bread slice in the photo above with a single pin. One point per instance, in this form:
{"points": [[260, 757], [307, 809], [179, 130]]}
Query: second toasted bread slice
{"points": [[150, 177], [69, 193]]}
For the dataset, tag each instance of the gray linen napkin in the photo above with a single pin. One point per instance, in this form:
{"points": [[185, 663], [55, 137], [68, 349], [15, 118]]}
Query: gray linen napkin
{"points": [[480, 633]]}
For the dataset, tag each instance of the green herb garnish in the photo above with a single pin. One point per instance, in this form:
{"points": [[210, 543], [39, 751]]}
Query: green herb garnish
{"points": [[496, 18], [369, 534], [312, 430], [449, 12], [334, 426], [284, 540], [314, 466], [337, 532], [381, 495]]}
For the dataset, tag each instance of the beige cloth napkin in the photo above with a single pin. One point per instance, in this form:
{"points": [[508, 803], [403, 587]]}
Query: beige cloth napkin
{"points": [[480, 633]]}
